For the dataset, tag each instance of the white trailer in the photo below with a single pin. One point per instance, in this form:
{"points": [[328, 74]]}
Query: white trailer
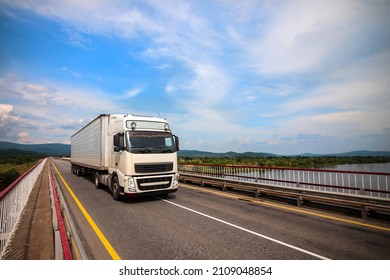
{"points": [[132, 155]]}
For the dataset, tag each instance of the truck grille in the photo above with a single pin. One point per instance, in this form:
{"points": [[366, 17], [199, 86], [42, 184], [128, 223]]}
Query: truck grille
{"points": [[153, 167], [146, 184]]}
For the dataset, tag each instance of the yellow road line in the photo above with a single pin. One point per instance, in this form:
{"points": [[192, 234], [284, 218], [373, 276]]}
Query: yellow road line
{"points": [[307, 212], [98, 232]]}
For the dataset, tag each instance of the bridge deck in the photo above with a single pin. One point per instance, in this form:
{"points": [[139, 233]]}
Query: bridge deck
{"points": [[33, 237]]}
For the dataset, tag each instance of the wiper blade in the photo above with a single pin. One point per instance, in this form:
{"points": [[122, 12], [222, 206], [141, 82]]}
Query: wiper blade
{"points": [[141, 149], [165, 149]]}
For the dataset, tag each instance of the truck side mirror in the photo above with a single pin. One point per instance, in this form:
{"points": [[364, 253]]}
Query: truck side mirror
{"points": [[176, 142], [118, 142]]}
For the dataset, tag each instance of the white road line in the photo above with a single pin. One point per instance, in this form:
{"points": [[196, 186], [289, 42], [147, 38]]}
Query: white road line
{"points": [[249, 231]]}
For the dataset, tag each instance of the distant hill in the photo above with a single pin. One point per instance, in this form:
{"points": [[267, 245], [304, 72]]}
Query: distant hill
{"points": [[362, 153], [43, 149], [16, 152], [365, 154], [195, 153], [64, 150]]}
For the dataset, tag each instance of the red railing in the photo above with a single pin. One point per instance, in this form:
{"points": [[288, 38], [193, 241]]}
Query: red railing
{"points": [[13, 200]]}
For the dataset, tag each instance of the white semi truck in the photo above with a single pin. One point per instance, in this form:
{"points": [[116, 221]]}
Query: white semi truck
{"points": [[132, 155]]}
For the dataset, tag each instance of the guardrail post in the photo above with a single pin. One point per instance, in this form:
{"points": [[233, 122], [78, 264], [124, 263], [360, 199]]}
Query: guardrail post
{"points": [[364, 211], [362, 191], [299, 197], [299, 201]]}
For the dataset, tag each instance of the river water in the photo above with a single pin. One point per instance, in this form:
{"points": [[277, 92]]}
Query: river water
{"points": [[368, 167]]}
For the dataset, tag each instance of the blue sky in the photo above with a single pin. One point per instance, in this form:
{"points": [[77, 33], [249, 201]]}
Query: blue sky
{"points": [[283, 77]]}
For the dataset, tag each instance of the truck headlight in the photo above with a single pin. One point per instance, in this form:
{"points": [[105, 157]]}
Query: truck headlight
{"points": [[176, 181], [131, 187]]}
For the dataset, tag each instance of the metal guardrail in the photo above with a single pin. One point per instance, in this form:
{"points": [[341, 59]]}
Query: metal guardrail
{"points": [[13, 200], [62, 248], [372, 184], [367, 190], [70, 237]]}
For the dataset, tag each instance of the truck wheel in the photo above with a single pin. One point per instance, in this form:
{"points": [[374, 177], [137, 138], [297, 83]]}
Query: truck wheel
{"points": [[115, 188], [78, 171], [97, 183]]}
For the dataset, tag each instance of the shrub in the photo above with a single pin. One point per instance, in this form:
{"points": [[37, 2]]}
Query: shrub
{"points": [[7, 177]]}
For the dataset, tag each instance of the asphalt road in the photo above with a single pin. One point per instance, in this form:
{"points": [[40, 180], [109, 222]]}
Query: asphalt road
{"points": [[197, 223]]}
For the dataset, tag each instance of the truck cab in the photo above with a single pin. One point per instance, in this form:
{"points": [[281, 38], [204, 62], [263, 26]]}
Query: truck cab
{"points": [[132, 155], [143, 156]]}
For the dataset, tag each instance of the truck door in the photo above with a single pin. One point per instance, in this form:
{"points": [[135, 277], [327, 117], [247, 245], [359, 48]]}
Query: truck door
{"points": [[119, 146]]}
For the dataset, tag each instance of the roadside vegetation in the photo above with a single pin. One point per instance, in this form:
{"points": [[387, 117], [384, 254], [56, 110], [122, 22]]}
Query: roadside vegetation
{"points": [[294, 162], [14, 163]]}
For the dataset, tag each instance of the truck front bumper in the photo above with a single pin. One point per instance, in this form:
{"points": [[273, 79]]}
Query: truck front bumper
{"points": [[152, 193], [150, 185]]}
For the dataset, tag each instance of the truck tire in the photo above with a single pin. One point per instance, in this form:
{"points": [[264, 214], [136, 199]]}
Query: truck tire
{"points": [[78, 170], [96, 179], [115, 188]]}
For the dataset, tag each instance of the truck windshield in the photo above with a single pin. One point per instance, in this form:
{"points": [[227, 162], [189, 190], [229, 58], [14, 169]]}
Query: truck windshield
{"points": [[150, 142]]}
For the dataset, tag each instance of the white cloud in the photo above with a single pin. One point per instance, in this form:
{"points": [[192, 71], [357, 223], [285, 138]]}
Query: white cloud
{"points": [[133, 92], [303, 35], [105, 17], [77, 39], [250, 98], [228, 66], [361, 98], [169, 88], [5, 111], [210, 84], [163, 66], [52, 94], [73, 73], [176, 30], [47, 112], [24, 137]]}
